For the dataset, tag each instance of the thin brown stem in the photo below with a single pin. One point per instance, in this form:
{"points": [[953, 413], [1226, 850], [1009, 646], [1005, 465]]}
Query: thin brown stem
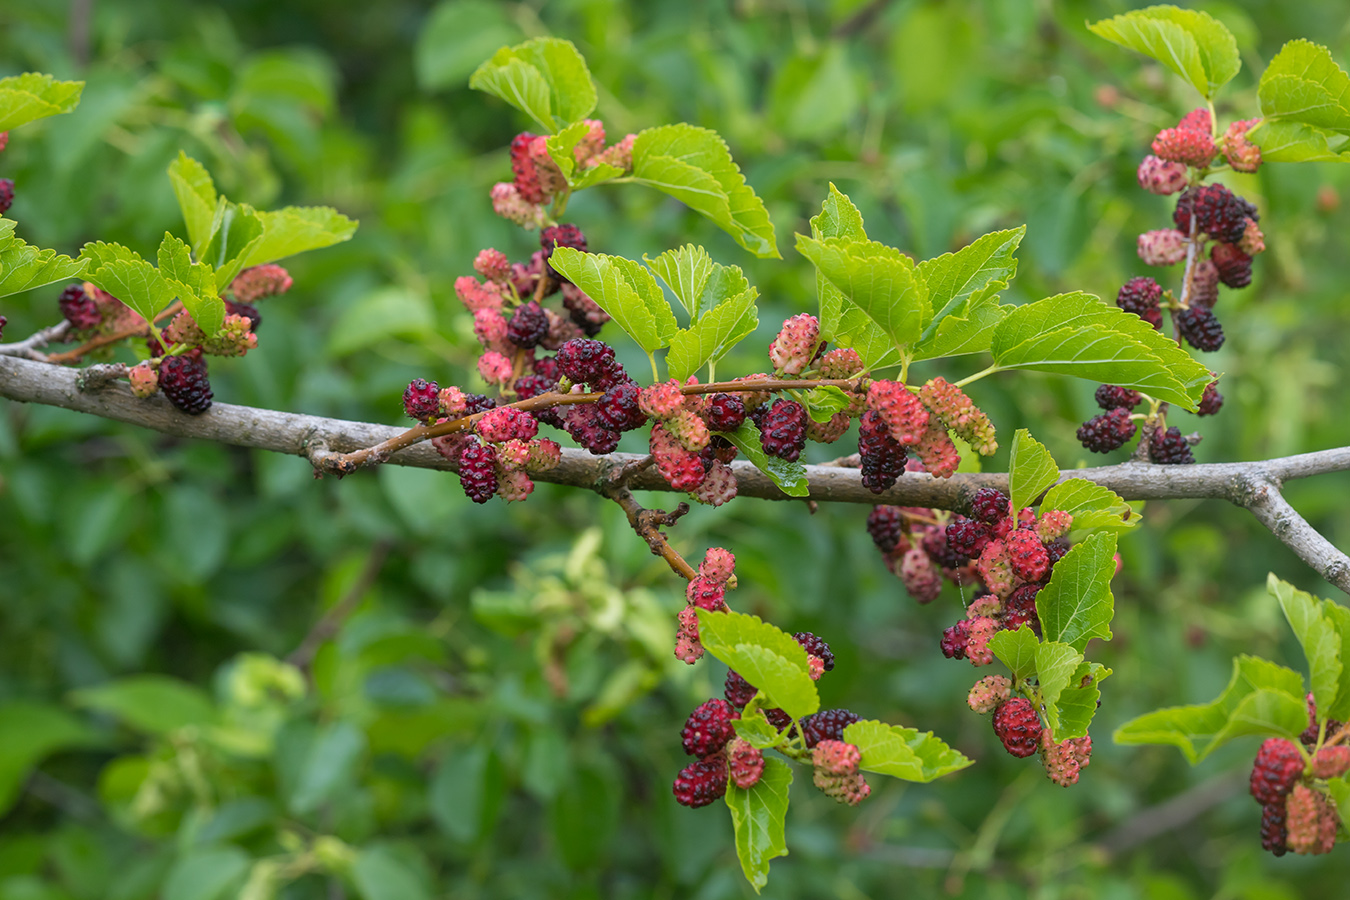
{"points": [[103, 340]]}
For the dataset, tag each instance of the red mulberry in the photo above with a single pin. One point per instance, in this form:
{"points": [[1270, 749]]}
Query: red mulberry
{"points": [[709, 728], [1107, 432], [1018, 727], [478, 471], [701, 782], [784, 431], [1278, 766], [183, 380]]}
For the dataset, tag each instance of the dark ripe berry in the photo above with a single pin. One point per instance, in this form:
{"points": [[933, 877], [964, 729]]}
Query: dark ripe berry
{"points": [[584, 424], [783, 433], [718, 449], [247, 310], [940, 552], [528, 326], [1218, 212], [816, 647], [527, 386], [1020, 609], [989, 506], [779, 719], [1018, 726], [967, 537], [563, 236], [956, 639], [1211, 402], [1057, 549], [1113, 396], [476, 403], [1169, 448], [478, 470], [1140, 296], [421, 399], [1274, 833], [79, 309], [1235, 267], [183, 380], [618, 408], [584, 360], [883, 457], [6, 194], [1201, 328], [709, 728], [1278, 767], [725, 412], [826, 725], [701, 782], [884, 525], [546, 366], [3, 320], [1107, 432], [737, 690]]}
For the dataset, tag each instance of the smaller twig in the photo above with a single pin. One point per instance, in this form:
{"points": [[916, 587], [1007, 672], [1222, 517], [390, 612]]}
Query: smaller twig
{"points": [[646, 522], [29, 347], [104, 340], [1262, 498], [331, 622]]}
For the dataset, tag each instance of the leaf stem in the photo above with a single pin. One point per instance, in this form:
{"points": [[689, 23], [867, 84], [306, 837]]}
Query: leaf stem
{"points": [[971, 379]]}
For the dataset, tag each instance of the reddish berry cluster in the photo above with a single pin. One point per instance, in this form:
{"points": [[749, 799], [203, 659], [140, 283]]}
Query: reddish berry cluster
{"points": [[1296, 813]]}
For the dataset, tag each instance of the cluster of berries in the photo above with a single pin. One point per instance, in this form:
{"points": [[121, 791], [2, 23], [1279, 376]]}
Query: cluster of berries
{"points": [[898, 420], [1289, 782], [538, 178], [177, 364], [710, 734], [706, 590], [6, 184], [1114, 428], [913, 544], [1019, 728]]}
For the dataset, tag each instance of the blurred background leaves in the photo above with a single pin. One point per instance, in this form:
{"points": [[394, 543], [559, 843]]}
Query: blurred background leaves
{"points": [[496, 713]]}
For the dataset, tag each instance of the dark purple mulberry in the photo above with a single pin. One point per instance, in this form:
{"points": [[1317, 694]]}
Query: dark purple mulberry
{"points": [[701, 782], [1235, 267], [1107, 432], [587, 428], [79, 308], [708, 728], [1201, 328], [883, 457], [1211, 402], [967, 537], [563, 236], [618, 408], [6, 194], [816, 646], [884, 524], [1113, 396], [726, 412], [989, 506], [956, 639], [1218, 212], [478, 470], [737, 690], [1170, 448], [183, 380], [528, 326], [826, 725], [1140, 296], [783, 433]]}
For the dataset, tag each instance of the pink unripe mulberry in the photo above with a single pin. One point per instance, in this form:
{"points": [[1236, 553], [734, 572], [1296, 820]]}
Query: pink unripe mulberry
{"points": [[1311, 821], [1242, 154], [980, 630], [183, 330], [827, 432], [506, 423], [453, 403], [144, 379], [1053, 523], [619, 154], [836, 772], [921, 577], [1253, 241], [1189, 143], [843, 362], [1163, 247], [718, 565], [959, 413], [681, 469], [718, 486], [745, 763], [660, 401], [494, 367], [984, 605], [988, 693], [688, 429], [688, 647], [904, 414], [1331, 762], [544, 455], [513, 484], [995, 569], [508, 203], [592, 143], [1279, 764], [1060, 760], [490, 328], [257, 282], [1161, 176], [792, 349], [940, 456], [706, 593], [492, 265], [1027, 555], [476, 295]]}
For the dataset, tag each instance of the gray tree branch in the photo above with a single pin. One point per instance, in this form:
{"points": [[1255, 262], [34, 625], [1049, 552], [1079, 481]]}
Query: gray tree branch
{"points": [[1255, 486]]}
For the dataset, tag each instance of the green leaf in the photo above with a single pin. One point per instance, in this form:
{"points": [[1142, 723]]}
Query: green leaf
{"points": [[1193, 44], [685, 271], [713, 335], [1340, 620], [1200, 729], [1304, 84], [1339, 789], [607, 284], [330, 762], [764, 656], [197, 198], [1077, 704], [593, 174], [295, 229], [824, 402], [466, 793], [561, 145], [641, 279], [1076, 334], [1318, 636], [954, 277], [789, 476], [1017, 650], [236, 232], [387, 312], [758, 817], [754, 728], [694, 166], [961, 335], [545, 78], [881, 280], [1056, 667], [904, 753], [1092, 506], [195, 284], [206, 873], [1077, 604], [379, 873], [1281, 140], [121, 272], [24, 267], [1031, 469], [154, 704], [839, 218], [1266, 713], [33, 731], [32, 96]]}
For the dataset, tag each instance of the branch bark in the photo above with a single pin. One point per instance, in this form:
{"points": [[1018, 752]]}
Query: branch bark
{"points": [[1255, 486]]}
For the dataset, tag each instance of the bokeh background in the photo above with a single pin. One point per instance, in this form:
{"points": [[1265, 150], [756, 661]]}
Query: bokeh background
{"points": [[495, 711]]}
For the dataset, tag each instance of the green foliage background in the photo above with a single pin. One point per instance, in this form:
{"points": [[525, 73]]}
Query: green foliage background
{"points": [[500, 717]]}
